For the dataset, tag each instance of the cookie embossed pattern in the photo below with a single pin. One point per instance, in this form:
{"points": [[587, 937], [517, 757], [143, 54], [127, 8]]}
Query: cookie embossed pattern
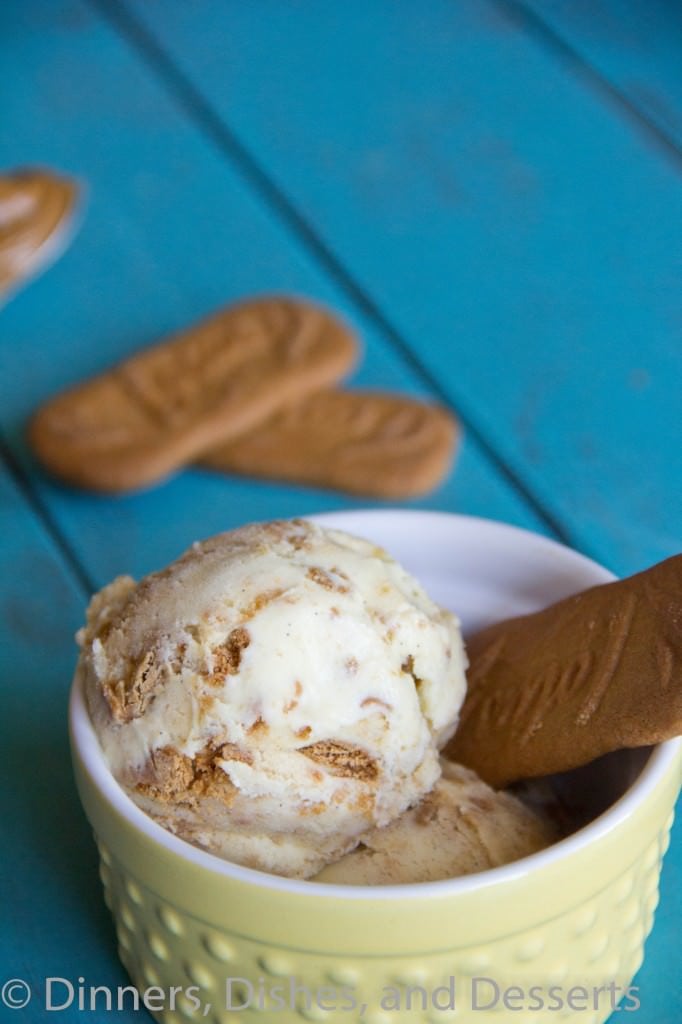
{"points": [[578, 911], [584, 677], [145, 418], [360, 442]]}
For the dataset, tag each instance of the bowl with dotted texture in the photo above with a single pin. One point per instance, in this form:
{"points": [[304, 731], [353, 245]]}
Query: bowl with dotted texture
{"points": [[242, 945]]}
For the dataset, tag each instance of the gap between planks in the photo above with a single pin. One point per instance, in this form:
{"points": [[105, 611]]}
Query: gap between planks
{"points": [[29, 493], [197, 106], [191, 99], [542, 32]]}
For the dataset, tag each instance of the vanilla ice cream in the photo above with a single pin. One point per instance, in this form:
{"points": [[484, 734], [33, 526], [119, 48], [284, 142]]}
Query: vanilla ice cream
{"points": [[275, 693], [462, 826]]}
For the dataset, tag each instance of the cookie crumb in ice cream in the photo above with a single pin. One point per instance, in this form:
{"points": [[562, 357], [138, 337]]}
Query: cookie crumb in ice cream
{"points": [[426, 811], [171, 777], [227, 656], [342, 759], [327, 580], [376, 702], [253, 698], [129, 698], [259, 602]]}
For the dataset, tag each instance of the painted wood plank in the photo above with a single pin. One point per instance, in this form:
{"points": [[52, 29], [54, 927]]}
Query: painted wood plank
{"points": [[636, 46], [110, 293], [54, 920], [171, 231], [519, 232]]}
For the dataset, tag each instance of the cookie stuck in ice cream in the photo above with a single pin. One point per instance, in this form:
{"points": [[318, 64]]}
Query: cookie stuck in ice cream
{"points": [[596, 672]]}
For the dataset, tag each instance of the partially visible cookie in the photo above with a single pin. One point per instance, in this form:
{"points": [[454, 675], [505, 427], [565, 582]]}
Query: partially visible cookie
{"points": [[362, 442], [145, 418], [36, 211], [596, 672]]}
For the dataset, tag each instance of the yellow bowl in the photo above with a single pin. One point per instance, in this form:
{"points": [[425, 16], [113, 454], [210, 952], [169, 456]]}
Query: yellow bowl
{"points": [[555, 935]]}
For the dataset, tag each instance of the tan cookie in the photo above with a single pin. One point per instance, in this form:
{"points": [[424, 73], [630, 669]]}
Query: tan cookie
{"points": [[361, 442], [36, 208], [143, 419], [597, 672]]}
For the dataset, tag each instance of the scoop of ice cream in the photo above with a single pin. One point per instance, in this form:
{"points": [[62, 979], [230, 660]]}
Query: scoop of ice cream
{"points": [[274, 693], [460, 827]]}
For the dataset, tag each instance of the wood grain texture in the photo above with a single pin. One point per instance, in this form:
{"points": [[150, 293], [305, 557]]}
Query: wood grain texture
{"points": [[174, 228], [172, 232], [49, 860], [519, 230], [635, 46]]}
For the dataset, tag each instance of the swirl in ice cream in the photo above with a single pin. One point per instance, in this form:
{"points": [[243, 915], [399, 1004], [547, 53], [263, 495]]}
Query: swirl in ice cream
{"points": [[275, 693]]}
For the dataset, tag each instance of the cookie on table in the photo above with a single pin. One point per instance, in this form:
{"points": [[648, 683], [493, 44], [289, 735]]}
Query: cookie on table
{"points": [[361, 442], [140, 421], [37, 210]]}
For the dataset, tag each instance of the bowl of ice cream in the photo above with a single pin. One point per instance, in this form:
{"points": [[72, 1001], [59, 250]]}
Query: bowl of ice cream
{"points": [[212, 921]]}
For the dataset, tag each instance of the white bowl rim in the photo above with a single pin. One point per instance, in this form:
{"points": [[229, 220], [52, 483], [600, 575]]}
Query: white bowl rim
{"points": [[657, 766]]}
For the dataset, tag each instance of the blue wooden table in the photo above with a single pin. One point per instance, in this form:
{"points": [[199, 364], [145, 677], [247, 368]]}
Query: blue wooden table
{"points": [[488, 189]]}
